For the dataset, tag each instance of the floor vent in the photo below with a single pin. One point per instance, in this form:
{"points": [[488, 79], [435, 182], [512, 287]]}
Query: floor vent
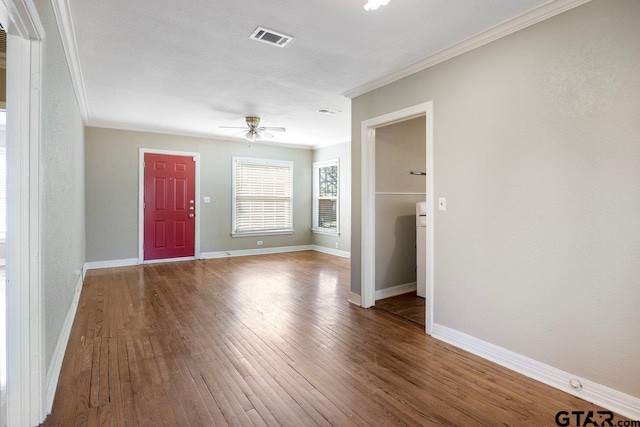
{"points": [[272, 37]]}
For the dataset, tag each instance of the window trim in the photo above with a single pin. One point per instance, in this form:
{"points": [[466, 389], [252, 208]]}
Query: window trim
{"points": [[316, 197], [234, 233]]}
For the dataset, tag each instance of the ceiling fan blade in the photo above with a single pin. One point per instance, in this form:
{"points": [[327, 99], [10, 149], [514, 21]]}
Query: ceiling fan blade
{"points": [[265, 133], [232, 127], [274, 129]]}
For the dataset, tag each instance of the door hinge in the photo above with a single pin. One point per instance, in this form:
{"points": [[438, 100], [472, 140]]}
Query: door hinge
{"points": [[194, 158]]}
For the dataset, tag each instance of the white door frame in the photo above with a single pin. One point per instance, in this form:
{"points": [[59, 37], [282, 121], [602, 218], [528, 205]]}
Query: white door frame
{"points": [[196, 242], [368, 197], [26, 373]]}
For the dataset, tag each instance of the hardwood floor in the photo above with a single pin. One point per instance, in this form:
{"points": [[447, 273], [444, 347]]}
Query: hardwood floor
{"points": [[407, 306], [271, 340]]}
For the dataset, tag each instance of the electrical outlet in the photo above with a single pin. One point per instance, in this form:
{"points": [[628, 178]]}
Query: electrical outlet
{"points": [[336, 245], [259, 242]]}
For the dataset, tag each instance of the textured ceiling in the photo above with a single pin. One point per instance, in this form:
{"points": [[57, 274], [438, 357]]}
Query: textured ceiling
{"points": [[190, 67]]}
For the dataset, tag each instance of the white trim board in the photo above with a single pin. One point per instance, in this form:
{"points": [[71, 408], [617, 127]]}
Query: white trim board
{"points": [[191, 134], [331, 251], [598, 394], [368, 198], [53, 374], [396, 290], [127, 262], [26, 370], [94, 265], [355, 299], [261, 251], [517, 23], [62, 12]]}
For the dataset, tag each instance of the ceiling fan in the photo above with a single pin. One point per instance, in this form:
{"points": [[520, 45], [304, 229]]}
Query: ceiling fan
{"points": [[253, 131]]}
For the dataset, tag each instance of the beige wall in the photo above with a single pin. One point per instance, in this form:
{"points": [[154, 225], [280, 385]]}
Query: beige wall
{"points": [[112, 191], [342, 152], [62, 183], [537, 149], [400, 148]]}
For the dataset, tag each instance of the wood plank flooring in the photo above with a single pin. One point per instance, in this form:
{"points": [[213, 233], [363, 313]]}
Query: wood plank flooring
{"points": [[271, 340], [407, 306]]}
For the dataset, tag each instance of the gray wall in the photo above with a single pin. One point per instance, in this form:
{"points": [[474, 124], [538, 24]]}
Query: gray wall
{"points": [[112, 191], [62, 183], [342, 152], [400, 148], [537, 149]]}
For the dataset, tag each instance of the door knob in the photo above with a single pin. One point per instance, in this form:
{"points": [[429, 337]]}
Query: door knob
{"points": [[191, 208], [191, 201], [191, 215]]}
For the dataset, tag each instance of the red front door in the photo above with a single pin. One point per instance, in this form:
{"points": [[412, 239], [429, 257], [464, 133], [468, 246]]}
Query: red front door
{"points": [[169, 206]]}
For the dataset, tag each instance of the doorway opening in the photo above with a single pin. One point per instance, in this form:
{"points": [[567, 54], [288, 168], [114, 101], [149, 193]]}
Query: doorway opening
{"points": [[400, 238], [369, 208]]}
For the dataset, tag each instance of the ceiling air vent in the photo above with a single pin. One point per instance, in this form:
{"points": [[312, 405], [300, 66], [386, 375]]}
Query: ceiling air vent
{"points": [[272, 37], [328, 112]]}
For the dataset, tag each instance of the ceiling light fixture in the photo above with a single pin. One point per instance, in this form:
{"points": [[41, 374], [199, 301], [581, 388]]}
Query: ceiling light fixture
{"points": [[374, 4], [252, 136]]}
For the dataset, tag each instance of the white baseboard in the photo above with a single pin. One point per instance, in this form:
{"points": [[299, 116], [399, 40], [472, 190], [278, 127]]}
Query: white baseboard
{"points": [[93, 265], [355, 299], [331, 251], [396, 290], [261, 251], [213, 255], [621, 403], [53, 374]]}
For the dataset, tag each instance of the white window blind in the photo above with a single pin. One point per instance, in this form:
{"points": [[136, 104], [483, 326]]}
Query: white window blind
{"points": [[326, 188], [262, 196]]}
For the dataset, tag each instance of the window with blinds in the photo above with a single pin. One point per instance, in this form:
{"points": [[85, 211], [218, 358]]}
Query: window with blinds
{"points": [[262, 196], [326, 187]]}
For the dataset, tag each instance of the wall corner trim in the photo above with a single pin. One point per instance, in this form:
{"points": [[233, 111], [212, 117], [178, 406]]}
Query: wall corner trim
{"points": [[517, 23], [62, 12], [53, 373], [621, 403]]}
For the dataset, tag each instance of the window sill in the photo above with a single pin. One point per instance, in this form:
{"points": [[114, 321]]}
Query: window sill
{"points": [[325, 232], [262, 233]]}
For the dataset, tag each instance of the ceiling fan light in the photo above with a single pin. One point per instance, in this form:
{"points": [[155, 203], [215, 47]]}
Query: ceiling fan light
{"points": [[375, 4]]}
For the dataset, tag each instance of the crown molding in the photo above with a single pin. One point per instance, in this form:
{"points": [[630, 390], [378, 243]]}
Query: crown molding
{"points": [[62, 12], [203, 135], [20, 17], [517, 23]]}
